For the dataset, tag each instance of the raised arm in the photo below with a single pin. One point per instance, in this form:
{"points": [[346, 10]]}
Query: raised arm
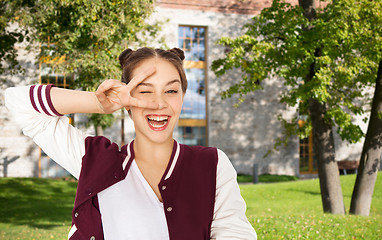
{"points": [[40, 111], [110, 96], [34, 112]]}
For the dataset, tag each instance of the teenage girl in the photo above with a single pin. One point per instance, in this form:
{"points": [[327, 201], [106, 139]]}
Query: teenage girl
{"points": [[153, 187]]}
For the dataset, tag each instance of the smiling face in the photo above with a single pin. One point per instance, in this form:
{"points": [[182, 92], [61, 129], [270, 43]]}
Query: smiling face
{"points": [[163, 87]]}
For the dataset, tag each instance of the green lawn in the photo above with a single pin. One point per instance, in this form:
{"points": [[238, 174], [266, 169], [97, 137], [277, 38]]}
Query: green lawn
{"points": [[35, 208], [293, 210], [41, 209]]}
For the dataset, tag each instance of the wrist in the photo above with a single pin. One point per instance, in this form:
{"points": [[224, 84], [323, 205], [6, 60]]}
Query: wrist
{"points": [[97, 106]]}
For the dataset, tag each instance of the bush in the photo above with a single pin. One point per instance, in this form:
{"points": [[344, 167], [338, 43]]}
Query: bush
{"points": [[266, 178]]}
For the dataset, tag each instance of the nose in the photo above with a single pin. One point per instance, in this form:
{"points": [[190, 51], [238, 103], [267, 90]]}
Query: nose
{"points": [[162, 103]]}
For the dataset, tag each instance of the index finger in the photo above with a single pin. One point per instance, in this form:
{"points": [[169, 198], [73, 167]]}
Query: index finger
{"points": [[108, 84], [135, 81], [143, 103]]}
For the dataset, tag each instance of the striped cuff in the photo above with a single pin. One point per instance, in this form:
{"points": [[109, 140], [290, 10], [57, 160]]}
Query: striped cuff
{"points": [[41, 101]]}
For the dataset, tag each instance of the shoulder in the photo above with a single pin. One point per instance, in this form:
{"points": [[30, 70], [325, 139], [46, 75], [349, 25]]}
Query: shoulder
{"points": [[199, 156], [199, 152], [101, 148], [225, 168], [97, 140], [207, 152], [223, 159], [199, 149], [100, 141]]}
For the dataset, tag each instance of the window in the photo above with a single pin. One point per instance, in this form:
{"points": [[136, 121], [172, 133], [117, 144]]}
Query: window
{"points": [[192, 127], [49, 63], [308, 164]]}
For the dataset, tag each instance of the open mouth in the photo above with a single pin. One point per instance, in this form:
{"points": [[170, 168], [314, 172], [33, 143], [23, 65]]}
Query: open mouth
{"points": [[157, 122]]}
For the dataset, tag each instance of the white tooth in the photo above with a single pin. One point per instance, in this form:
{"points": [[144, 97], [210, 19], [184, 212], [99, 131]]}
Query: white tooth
{"points": [[158, 118], [157, 126]]}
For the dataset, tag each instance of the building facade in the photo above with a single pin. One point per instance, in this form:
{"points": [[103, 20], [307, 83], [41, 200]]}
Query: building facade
{"points": [[245, 133]]}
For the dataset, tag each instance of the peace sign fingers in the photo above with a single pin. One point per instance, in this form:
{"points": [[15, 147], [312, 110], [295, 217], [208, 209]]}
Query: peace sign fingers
{"points": [[128, 100]]}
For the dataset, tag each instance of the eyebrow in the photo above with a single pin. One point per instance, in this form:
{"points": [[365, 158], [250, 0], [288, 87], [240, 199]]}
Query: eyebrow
{"points": [[152, 85]]}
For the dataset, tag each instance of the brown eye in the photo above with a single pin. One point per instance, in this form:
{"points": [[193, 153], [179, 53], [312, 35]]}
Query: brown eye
{"points": [[172, 91]]}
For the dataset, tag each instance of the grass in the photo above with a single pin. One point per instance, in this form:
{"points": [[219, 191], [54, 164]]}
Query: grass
{"points": [[293, 210], [41, 209], [35, 208]]}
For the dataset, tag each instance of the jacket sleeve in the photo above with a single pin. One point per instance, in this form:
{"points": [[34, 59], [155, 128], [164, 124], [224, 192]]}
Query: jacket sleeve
{"points": [[32, 109], [230, 221]]}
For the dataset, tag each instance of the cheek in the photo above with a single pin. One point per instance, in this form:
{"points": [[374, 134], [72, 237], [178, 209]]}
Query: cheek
{"points": [[177, 104], [134, 112]]}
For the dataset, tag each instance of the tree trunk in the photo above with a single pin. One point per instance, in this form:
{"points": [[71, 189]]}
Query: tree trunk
{"points": [[324, 151], [309, 8], [98, 130], [371, 155], [122, 127]]}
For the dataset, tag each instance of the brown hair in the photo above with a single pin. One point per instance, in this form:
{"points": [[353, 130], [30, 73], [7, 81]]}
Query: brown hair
{"points": [[129, 60]]}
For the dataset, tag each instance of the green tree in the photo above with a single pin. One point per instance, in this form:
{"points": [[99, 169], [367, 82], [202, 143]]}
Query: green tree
{"points": [[367, 25], [90, 34], [325, 66], [9, 37]]}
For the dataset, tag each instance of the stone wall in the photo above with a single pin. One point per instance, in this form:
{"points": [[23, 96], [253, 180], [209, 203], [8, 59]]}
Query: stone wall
{"points": [[18, 154]]}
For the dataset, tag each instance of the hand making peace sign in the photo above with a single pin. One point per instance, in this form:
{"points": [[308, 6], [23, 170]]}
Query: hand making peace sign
{"points": [[114, 94]]}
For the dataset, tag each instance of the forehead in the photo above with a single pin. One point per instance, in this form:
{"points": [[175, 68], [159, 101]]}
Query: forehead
{"points": [[165, 71]]}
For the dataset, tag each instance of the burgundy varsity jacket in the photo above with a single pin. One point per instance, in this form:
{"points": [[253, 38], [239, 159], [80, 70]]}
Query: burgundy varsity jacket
{"points": [[188, 194]]}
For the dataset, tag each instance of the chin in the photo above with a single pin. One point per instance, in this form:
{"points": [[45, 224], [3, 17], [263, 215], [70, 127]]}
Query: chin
{"points": [[160, 140]]}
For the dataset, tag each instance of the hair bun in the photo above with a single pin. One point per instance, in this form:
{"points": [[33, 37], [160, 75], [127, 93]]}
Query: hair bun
{"points": [[124, 55], [179, 52]]}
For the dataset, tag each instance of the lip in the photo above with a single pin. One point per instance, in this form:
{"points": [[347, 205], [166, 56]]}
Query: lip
{"points": [[158, 128]]}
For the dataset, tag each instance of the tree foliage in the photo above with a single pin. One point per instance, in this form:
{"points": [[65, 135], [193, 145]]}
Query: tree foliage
{"points": [[327, 60], [9, 37], [90, 35], [347, 34]]}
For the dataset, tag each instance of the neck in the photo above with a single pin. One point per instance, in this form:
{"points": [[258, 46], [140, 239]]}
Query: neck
{"points": [[151, 152]]}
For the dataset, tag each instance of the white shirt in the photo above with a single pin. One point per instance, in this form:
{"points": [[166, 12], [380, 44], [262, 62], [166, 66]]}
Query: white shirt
{"points": [[131, 210]]}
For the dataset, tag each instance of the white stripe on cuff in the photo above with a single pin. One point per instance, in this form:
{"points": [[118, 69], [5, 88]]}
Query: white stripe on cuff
{"points": [[35, 99], [45, 101]]}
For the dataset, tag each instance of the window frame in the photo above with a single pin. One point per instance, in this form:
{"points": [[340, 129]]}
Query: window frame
{"points": [[189, 64]]}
